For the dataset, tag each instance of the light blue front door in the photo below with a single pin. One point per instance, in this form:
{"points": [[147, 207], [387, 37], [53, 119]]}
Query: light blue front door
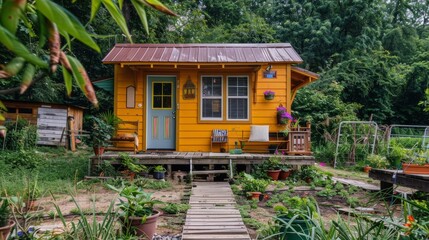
{"points": [[161, 112]]}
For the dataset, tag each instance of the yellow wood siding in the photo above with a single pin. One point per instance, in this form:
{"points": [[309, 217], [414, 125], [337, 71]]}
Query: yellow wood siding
{"points": [[192, 133], [124, 77]]}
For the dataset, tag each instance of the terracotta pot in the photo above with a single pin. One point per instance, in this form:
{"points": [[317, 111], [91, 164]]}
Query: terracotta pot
{"points": [[412, 168], [98, 151], [367, 169], [254, 195], [147, 228], [5, 231], [129, 174], [284, 174], [273, 174], [31, 204]]}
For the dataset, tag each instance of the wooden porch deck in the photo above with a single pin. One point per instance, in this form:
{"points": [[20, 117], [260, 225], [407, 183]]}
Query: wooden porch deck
{"points": [[201, 158], [213, 214]]}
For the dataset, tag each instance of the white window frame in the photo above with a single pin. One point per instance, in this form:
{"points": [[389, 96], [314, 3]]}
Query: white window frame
{"points": [[212, 97], [239, 97]]}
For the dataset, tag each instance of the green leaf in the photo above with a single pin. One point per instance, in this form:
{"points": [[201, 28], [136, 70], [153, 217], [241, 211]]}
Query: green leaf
{"points": [[95, 5], [142, 14], [43, 29], [121, 3], [67, 37], [2, 107], [75, 64], [118, 17], [66, 21], [67, 81], [160, 7], [15, 46]]}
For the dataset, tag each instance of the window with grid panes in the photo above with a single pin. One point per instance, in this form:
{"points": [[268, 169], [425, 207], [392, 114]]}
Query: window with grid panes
{"points": [[238, 98], [211, 97]]}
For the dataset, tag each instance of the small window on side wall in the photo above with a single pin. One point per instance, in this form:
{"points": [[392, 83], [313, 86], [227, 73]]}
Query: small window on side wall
{"points": [[131, 96]]}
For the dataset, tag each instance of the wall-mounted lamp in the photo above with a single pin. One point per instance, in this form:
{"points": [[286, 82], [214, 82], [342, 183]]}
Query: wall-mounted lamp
{"points": [[268, 73], [189, 89]]}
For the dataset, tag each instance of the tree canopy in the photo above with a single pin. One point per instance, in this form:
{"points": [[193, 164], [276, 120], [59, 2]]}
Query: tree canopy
{"points": [[372, 54]]}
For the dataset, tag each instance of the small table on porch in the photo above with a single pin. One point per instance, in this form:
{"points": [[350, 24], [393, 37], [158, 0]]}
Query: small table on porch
{"points": [[389, 177]]}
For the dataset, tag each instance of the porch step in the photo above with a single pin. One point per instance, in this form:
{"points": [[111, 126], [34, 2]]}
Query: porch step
{"points": [[209, 172]]}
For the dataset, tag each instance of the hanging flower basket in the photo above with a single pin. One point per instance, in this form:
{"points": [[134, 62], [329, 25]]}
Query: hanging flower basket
{"points": [[283, 116], [269, 95]]}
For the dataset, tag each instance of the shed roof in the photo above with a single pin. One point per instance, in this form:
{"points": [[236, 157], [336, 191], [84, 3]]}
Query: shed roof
{"points": [[203, 53]]}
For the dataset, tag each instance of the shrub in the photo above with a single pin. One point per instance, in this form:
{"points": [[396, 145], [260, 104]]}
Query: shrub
{"points": [[20, 135], [22, 159]]}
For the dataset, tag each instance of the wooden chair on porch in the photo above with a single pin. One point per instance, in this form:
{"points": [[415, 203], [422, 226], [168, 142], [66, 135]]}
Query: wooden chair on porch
{"points": [[219, 136], [126, 138], [300, 141]]}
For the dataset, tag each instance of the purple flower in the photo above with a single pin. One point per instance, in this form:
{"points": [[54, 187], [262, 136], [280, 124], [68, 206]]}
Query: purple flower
{"points": [[281, 109], [286, 115], [268, 92]]}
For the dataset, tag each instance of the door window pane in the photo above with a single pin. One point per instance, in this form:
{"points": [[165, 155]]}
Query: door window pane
{"points": [[162, 96]]}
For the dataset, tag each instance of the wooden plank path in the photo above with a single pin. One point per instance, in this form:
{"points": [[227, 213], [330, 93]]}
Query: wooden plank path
{"points": [[213, 214]]}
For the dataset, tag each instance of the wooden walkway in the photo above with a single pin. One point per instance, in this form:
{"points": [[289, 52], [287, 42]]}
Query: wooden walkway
{"points": [[213, 214]]}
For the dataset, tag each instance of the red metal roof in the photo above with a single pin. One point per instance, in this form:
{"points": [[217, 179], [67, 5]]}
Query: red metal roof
{"points": [[203, 53]]}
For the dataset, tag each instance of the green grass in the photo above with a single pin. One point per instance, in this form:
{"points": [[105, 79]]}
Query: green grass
{"points": [[57, 171]]}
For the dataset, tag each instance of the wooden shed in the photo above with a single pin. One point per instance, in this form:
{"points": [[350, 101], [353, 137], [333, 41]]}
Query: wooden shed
{"points": [[51, 119], [180, 93]]}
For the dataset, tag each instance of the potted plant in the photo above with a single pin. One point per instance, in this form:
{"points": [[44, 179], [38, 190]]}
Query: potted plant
{"points": [[31, 194], [273, 168], [101, 132], [294, 217], [308, 173], [284, 172], [159, 172], [269, 95], [131, 167], [283, 116], [6, 225], [137, 215], [253, 187], [237, 149], [375, 161], [418, 163]]}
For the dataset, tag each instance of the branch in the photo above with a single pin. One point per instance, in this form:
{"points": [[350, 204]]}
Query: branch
{"points": [[40, 75]]}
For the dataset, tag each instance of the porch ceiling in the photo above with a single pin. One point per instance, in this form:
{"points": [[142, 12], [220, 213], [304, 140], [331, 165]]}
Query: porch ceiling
{"points": [[302, 77], [137, 54]]}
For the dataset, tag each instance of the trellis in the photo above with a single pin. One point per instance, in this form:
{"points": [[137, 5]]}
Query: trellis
{"points": [[418, 132], [362, 133]]}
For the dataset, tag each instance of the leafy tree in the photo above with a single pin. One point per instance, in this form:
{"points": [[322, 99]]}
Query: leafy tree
{"points": [[407, 106], [321, 104]]}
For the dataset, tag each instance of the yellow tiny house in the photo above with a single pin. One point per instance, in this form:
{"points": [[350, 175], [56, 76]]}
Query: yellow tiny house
{"points": [[180, 93]]}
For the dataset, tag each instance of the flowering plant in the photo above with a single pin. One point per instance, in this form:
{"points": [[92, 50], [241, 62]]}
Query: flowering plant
{"points": [[282, 115], [268, 92]]}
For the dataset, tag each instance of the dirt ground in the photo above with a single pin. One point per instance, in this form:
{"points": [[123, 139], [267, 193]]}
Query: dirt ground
{"points": [[100, 198]]}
